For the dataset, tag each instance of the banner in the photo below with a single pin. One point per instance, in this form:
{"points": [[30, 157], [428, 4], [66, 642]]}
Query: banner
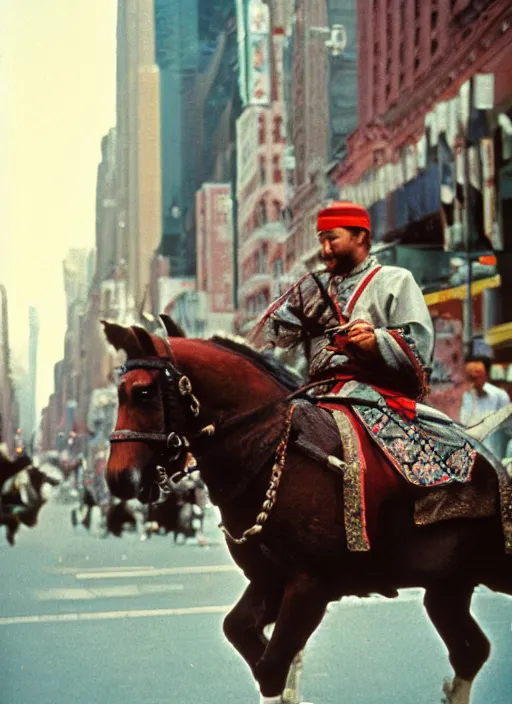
{"points": [[258, 46]]}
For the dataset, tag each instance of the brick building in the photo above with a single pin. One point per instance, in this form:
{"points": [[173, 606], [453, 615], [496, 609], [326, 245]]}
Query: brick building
{"points": [[431, 155]]}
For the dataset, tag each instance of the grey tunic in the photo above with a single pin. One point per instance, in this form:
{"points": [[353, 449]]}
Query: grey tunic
{"points": [[392, 302]]}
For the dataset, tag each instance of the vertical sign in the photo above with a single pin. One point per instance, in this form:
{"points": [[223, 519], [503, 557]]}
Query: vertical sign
{"points": [[220, 253], [258, 41], [241, 22]]}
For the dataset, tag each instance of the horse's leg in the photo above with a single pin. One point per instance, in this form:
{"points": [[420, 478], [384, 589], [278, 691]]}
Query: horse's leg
{"points": [[302, 609], [244, 624], [448, 607], [292, 689]]}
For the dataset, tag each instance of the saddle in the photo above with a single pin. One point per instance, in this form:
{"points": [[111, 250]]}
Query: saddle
{"points": [[339, 441]]}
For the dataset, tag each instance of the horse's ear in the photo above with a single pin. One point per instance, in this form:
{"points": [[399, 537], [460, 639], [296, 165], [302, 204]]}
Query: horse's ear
{"points": [[145, 340], [171, 328], [123, 338]]}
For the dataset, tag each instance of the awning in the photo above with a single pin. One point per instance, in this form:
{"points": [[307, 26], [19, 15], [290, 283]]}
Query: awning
{"points": [[499, 335], [460, 292]]}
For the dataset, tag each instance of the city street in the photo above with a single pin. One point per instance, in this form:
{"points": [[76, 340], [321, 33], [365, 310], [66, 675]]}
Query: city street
{"points": [[85, 619]]}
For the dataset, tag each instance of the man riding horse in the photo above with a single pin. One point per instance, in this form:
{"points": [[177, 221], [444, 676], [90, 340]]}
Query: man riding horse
{"points": [[367, 332]]}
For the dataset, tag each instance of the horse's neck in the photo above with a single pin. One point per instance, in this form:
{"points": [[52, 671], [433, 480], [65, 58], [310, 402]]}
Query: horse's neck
{"points": [[227, 387], [226, 384]]}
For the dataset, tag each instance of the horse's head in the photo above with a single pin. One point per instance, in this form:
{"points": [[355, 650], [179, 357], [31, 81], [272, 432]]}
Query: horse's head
{"points": [[157, 411]]}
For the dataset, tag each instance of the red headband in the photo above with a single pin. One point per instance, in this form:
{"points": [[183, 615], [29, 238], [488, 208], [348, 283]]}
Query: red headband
{"points": [[343, 214]]}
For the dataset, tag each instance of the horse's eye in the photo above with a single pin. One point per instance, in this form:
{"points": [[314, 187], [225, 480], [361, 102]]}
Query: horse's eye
{"points": [[141, 394]]}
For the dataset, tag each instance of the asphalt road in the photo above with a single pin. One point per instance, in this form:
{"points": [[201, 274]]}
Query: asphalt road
{"points": [[87, 620]]}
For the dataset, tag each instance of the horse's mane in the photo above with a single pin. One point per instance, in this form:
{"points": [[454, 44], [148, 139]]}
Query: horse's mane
{"points": [[265, 361]]}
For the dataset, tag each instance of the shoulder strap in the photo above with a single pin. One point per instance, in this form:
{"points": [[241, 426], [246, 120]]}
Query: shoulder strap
{"points": [[360, 289]]}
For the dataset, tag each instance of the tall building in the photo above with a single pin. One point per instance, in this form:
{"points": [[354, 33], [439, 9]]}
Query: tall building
{"points": [[8, 404], [321, 101], [196, 54], [107, 256], [138, 162], [215, 256], [261, 142]]}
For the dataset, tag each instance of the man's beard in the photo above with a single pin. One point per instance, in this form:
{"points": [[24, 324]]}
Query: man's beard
{"points": [[341, 263]]}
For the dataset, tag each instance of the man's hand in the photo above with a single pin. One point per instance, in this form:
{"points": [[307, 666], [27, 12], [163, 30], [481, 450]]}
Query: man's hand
{"points": [[362, 337]]}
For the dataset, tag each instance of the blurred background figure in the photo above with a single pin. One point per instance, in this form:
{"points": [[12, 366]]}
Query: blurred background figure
{"points": [[482, 399]]}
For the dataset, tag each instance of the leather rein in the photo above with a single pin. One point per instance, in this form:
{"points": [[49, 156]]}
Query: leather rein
{"points": [[176, 443]]}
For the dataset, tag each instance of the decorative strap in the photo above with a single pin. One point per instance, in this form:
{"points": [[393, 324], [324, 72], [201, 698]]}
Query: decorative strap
{"points": [[359, 290]]}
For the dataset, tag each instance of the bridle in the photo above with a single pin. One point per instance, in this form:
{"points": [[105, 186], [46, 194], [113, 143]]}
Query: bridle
{"points": [[175, 443]]}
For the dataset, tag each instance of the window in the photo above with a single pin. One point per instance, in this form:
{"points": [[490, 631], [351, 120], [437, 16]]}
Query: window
{"points": [[277, 268], [261, 215], [277, 174], [278, 123], [263, 175], [262, 131], [276, 211], [433, 47]]}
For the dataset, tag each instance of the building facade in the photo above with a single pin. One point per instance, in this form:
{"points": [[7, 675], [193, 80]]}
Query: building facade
{"points": [[196, 54], [8, 403], [215, 299], [435, 93], [261, 189], [322, 111], [107, 254], [138, 154]]}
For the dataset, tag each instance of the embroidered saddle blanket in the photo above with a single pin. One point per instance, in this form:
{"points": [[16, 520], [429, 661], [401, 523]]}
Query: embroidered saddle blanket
{"points": [[372, 475]]}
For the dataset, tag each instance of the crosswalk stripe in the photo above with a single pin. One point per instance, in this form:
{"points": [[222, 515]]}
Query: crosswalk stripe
{"points": [[73, 570], [77, 593], [410, 595], [160, 572], [113, 615]]}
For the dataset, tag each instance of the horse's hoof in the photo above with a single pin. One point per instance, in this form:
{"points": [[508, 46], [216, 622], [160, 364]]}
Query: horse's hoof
{"points": [[456, 691]]}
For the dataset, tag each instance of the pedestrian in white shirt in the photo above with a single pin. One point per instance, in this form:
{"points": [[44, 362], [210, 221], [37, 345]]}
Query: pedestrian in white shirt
{"points": [[483, 399]]}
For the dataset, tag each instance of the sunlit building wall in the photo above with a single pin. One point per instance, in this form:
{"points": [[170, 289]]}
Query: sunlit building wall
{"points": [[215, 257], [138, 166]]}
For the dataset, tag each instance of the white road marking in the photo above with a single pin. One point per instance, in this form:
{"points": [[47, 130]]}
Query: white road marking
{"points": [[160, 572], [73, 570], [78, 593], [408, 595], [113, 615]]}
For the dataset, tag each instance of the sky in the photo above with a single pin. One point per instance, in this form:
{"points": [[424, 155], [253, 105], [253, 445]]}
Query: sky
{"points": [[57, 100]]}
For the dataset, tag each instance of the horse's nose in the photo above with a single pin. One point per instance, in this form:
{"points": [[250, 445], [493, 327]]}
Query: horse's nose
{"points": [[125, 484]]}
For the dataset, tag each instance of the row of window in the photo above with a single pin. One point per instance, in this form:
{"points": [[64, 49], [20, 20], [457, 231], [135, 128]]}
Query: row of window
{"points": [[263, 213], [278, 136], [277, 173]]}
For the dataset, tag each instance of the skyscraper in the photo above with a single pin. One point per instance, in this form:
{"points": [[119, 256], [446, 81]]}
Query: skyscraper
{"points": [[196, 55], [138, 166]]}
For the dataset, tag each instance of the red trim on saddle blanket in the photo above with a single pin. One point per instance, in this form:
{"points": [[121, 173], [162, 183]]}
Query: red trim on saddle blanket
{"points": [[403, 405], [420, 372]]}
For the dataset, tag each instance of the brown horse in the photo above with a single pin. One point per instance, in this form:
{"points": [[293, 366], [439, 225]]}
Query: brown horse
{"points": [[232, 407]]}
